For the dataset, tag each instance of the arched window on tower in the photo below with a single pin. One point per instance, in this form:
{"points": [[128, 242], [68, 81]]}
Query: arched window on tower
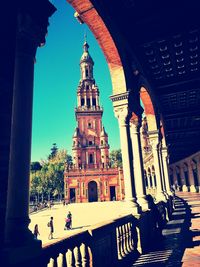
{"points": [[94, 102], [86, 73], [90, 143], [91, 158], [88, 102], [82, 101]]}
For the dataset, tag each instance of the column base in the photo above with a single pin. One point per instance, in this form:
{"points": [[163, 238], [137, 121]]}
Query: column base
{"points": [[160, 197], [185, 188], [17, 232], [131, 206], [22, 255], [169, 194], [143, 203], [193, 189]]}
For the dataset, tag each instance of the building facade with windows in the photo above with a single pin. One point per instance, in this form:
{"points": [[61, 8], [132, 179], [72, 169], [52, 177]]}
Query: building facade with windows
{"points": [[91, 177]]}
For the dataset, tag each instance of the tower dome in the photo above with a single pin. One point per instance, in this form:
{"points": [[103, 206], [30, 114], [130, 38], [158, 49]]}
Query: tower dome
{"points": [[86, 55], [103, 132]]}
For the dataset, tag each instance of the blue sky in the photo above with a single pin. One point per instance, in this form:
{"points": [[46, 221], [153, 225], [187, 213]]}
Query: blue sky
{"points": [[57, 74]]}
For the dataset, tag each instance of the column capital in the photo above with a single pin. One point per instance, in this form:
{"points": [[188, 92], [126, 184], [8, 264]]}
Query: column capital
{"points": [[190, 163], [122, 114], [135, 121], [31, 27]]}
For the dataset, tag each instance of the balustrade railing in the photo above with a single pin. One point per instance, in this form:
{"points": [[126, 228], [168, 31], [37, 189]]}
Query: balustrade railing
{"points": [[104, 244]]}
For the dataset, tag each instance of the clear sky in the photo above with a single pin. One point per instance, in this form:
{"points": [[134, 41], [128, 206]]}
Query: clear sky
{"points": [[57, 74]]}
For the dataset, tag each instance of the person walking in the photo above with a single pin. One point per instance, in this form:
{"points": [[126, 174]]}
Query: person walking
{"points": [[68, 221], [50, 225], [36, 231]]}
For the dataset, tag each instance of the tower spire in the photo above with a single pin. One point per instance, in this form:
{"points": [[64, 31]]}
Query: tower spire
{"points": [[85, 37]]}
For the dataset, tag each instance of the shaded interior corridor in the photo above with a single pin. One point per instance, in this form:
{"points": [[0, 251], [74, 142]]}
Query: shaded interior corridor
{"points": [[180, 245]]}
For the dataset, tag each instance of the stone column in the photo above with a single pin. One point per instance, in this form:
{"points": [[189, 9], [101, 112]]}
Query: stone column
{"points": [[91, 100], [97, 100], [183, 179], [130, 193], [153, 179], [165, 162], [86, 154], [191, 176], [119, 184], [30, 35], [175, 178], [138, 162], [85, 101], [154, 141], [79, 100], [198, 172], [162, 168]]}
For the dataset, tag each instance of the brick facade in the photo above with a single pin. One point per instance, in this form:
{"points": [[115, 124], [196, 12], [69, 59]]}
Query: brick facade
{"points": [[91, 177]]}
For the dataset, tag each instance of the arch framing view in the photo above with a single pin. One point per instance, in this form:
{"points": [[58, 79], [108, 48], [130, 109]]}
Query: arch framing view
{"points": [[152, 51]]}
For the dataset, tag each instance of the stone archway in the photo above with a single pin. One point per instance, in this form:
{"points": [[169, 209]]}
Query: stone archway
{"points": [[92, 191]]}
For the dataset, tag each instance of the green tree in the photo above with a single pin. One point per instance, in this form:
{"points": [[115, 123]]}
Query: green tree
{"points": [[35, 166], [116, 158], [48, 180], [54, 151], [57, 167]]}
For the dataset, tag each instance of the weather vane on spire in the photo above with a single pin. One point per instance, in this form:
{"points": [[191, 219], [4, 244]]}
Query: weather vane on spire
{"points": [[85, 36]]}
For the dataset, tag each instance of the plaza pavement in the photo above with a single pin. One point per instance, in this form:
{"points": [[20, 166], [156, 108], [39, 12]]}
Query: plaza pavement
{"points": [[83, 215]]}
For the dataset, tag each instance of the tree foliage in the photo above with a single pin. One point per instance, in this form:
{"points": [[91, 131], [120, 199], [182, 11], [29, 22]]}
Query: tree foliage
{"points": [[48, 179], [54, 151], [116, 158]]}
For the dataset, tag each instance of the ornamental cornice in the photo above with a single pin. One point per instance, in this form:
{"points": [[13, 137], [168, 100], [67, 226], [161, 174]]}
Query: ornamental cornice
{"points": [[119, 97]]}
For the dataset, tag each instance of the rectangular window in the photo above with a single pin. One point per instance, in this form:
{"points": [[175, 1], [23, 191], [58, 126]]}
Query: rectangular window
{"points": [[94, 102], [82, 101], [88, 102], [83, 189], [91, 158]]}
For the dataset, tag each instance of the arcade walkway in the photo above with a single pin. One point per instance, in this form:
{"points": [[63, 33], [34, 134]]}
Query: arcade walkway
{"points": [[181, 242]]}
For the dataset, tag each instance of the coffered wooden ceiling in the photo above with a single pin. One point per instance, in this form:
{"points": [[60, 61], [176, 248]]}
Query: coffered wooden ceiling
{"points": [[164, 37]]}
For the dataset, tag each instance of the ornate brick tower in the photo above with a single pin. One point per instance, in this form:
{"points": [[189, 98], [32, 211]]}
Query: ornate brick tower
{"points": [[91, 178], [90, 141]]}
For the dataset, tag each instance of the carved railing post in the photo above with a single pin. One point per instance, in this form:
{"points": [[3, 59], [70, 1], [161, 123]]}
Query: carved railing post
{"points": [[70, 258], [85, 256], [77, 256]]}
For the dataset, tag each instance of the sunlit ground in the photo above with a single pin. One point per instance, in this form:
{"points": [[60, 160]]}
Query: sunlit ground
{"points": [[83, 215]]}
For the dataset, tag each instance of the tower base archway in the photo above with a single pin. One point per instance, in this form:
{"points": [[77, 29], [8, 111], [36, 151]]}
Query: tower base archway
{"points": [[92, 192]]}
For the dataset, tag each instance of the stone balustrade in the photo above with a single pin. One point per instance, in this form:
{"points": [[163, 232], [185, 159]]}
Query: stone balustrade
{"points": [[104, 244]]}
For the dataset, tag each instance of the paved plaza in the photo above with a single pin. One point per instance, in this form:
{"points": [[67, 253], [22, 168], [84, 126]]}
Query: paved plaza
{"points": [[83, 215]]}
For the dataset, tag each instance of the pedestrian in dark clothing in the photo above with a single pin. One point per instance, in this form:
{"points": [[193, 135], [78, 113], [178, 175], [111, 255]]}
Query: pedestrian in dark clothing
{"points": [[36, 231], [50, 224], [68, 221]]}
